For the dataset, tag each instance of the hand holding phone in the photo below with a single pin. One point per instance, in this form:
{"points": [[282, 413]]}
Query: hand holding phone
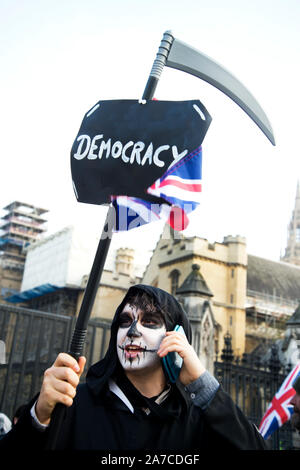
{"points": [[172, 362]]}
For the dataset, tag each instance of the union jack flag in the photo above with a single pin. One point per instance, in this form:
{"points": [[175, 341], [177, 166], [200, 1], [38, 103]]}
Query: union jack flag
{"points": [[180, 186], [279, 410]]}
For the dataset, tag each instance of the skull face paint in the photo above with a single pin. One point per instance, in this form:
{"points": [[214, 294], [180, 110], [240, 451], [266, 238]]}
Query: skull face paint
{"points": [[138, 338]]}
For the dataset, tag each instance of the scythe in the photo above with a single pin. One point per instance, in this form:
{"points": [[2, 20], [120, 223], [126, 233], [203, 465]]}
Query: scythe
{"points": [[178, 55]]}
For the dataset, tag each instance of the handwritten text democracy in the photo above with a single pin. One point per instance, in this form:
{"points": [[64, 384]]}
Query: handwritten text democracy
{"points": [[95, 148]]}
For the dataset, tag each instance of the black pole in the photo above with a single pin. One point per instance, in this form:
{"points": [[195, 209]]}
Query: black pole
{"points": [[77, 342], [79, 334], [158, 65], [80, 330]]}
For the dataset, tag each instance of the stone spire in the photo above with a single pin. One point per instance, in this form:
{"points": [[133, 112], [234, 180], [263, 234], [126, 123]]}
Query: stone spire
{"points": [[291, 343], [195, 284], [295, 318], [292, 252], [195, 296]]}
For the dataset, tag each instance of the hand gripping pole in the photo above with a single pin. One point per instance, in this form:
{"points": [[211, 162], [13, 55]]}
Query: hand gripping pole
{"points": [[80, 330]]}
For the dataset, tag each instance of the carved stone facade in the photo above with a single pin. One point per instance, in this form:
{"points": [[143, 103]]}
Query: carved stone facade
{"points": [[290, 346], [223, 289], [194, 295], [292, 252], [222, 268], [252, 298]]}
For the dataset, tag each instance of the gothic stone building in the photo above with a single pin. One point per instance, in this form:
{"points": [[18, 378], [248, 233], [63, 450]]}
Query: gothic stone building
{"points": [[225, 290], [222, 287]]}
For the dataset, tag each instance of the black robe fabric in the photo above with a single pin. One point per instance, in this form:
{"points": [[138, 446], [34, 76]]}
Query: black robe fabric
{"points": [[99, 420]]}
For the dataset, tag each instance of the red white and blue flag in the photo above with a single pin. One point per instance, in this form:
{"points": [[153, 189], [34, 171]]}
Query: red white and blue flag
{"points": [[279, 411], [180, 186]]}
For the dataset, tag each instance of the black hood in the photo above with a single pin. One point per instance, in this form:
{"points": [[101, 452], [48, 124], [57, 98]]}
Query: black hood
{"points": [[99, 373]]}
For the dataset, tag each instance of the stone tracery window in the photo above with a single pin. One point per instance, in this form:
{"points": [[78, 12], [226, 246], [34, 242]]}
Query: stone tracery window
{"points": [[174, 276], [207, 341]]}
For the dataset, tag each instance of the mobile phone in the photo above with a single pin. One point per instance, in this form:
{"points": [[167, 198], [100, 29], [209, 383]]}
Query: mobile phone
{"points": [[172, 362]]}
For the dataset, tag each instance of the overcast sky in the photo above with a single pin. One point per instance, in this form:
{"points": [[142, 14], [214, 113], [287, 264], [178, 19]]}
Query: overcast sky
{"points": [[59, 57]]}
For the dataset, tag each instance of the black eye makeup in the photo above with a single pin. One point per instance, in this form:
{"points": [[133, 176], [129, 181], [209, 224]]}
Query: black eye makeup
{"points": [[146, 319], [125, 320], [151, 320]]}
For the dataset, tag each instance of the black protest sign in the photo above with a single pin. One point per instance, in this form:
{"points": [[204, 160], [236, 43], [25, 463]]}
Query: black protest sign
{"points": [[123, 146]]}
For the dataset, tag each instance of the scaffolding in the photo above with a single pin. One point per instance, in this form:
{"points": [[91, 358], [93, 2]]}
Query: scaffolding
{"points": [[22, 225]]}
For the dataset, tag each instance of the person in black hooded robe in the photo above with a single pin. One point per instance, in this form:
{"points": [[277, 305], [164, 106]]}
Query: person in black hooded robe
{"points": [[127, 402]]}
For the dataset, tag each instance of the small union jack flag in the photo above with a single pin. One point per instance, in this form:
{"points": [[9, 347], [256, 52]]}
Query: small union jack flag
{"points": [[279, 410], [180, 186]]}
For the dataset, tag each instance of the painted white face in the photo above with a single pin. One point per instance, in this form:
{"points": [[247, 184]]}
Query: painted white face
{"points": [[138, 338]]}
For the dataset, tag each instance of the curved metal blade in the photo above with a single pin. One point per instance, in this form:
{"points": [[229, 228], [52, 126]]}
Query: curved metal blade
{"points": [[186, 58]]}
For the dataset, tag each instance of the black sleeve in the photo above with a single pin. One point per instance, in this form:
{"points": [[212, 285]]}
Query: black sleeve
{"points": [[227, 425], [24, 436]]}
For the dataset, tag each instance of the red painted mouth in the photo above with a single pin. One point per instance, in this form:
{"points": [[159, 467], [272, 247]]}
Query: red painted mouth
{"points": [[133, 347], [132, 350]]}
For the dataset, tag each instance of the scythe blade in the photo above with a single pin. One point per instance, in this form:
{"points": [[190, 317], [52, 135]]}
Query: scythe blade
{"points": [[178, 55]]}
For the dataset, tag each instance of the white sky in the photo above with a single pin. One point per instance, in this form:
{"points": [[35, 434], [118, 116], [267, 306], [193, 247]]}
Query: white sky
{"points": [[59, 57]]}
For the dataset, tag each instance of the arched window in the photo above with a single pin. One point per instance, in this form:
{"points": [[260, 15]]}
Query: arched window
{"points": [[174, 276]]}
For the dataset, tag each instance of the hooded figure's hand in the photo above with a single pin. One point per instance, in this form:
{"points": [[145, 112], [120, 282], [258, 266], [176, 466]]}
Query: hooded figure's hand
{"points": [[59, 385], [192, 367]]}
